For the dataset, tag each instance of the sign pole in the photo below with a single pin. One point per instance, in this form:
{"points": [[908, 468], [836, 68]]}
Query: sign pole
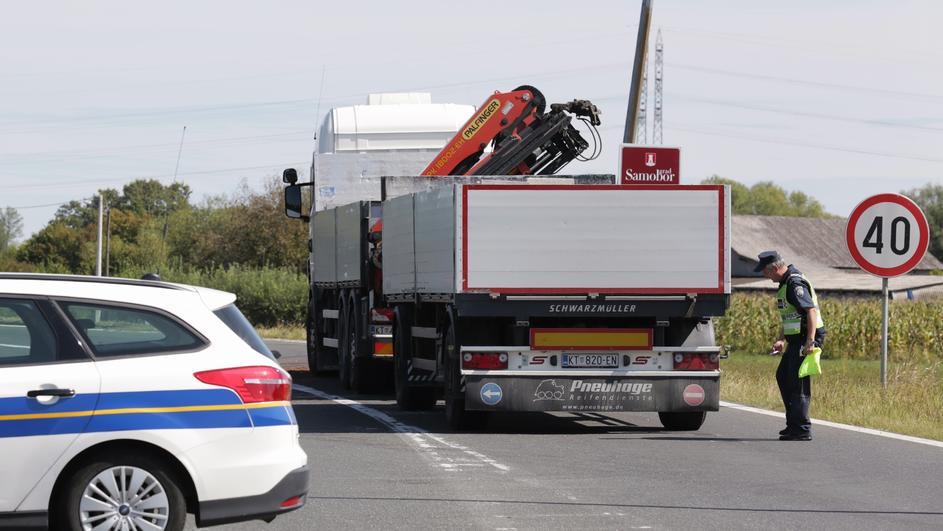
{"points": [[884, 335], [887, 235]]}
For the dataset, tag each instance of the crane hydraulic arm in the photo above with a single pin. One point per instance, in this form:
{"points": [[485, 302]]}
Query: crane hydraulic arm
{"points": [[524, 139]]}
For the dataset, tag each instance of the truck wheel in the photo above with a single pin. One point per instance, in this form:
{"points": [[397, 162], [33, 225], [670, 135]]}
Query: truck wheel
{"points": [[121, 491], [407, 398], [456, 416], [683, 420], [343, 357], [312, 338], [358, 369]]}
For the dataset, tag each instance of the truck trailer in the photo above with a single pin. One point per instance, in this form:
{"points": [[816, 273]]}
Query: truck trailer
{"points": [[519, 292]]}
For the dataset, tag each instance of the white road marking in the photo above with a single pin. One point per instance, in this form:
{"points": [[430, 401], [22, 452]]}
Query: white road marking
{"points": [[848, 427], [298, 341], [447, 455]]}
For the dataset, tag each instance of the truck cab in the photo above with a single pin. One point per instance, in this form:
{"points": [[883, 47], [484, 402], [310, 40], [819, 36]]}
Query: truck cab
{"points": [[357, 146]]}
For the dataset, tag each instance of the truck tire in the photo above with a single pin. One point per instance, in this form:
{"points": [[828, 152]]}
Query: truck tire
{"points": [[682, 420], [407, 398], [312, 338], [358, 369], [456, 416], [343, 367]]}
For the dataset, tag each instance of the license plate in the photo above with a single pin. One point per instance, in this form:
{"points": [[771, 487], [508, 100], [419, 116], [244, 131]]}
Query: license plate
{"points": [[381, 329], [585, 361]]}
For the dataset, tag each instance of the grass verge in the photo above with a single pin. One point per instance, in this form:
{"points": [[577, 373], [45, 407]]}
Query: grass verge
{"points": [[282, 332], [849, 392]]}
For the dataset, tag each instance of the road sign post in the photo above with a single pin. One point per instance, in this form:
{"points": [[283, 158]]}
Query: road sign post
{"points": [[887, 236]]}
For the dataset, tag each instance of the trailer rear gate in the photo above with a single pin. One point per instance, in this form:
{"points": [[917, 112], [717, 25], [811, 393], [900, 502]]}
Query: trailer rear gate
{"points": [[557, 239]]}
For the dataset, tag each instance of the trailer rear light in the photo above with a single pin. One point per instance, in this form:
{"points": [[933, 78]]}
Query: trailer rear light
{"points": [[252, 384], [381, 315], [696, 361], [485, 360], [382, 348]]}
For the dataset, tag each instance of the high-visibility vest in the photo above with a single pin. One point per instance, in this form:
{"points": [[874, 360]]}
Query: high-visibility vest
{"points": [[792, 316]]}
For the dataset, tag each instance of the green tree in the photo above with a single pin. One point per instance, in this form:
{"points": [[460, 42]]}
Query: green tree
{"points": [[769, 199], [11, 227], [248, 229], [139, 223], [150, 197], [930, 200], [56, 247]]}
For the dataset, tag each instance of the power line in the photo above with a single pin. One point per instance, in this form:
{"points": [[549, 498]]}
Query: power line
{"points": [[805, 82], [105, 151], [806, 114], [27, 207], [809, 145], [64, 184]]}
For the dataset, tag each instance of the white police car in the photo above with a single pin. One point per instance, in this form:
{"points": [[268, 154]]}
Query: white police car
{"points": [[126, 404]]}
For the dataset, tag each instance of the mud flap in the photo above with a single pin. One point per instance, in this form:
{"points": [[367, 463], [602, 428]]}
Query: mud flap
{"points": [[592, 394]]}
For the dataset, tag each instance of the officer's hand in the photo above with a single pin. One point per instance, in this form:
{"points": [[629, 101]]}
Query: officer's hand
{"points": [[778, 347], [807, 348]]}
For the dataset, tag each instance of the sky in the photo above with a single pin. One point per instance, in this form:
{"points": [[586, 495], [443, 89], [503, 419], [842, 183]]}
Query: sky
{"points": [[839, 99]]}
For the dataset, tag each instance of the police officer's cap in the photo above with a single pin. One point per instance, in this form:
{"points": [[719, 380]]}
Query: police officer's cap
{"points": [[766, 258]]}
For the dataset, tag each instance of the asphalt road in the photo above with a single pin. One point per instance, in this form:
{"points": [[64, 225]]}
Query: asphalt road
{"points": [[373, 466]]}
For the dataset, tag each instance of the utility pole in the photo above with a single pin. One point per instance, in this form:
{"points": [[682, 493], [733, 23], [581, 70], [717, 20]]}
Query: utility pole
{"points": [[641, 49], [108, 242], [98, 246], [659, 73], [641, 130]]}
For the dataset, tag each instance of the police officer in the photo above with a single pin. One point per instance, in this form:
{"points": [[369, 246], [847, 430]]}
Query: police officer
{"points": [[798, 306]]}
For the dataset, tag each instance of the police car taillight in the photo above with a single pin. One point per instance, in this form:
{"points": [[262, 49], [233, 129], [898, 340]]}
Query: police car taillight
{"points": [[252, 384]]}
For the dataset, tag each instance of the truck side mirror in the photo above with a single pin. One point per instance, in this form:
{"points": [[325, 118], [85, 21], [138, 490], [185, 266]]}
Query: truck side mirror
{"points": [[293, 201], [289, 176]]}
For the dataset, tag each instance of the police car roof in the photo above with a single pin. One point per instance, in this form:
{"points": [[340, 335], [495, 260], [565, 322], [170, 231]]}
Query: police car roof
{"points": [[145, 292]]}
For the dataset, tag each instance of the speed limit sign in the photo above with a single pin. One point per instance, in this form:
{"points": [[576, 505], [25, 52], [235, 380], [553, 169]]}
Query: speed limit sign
{"points": [[887, 235]]}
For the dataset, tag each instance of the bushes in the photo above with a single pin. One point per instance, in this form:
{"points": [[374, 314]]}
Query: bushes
{"points": [[854, 327], [267, 296]]}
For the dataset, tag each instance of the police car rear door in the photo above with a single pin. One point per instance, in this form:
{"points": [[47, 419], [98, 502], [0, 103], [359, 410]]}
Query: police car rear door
{"points": [[48, 392]]}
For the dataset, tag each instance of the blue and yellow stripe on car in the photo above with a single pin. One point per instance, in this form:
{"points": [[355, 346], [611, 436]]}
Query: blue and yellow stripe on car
{"points": [[141, 410]]}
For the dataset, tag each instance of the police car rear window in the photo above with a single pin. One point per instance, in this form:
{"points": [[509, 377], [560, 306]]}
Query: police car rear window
{"points": [[238, 323], [122, 331], [25, 336]]}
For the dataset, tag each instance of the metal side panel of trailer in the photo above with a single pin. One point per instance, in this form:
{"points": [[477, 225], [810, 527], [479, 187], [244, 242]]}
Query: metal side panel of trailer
{"points": [[434, 213], [399, 258], [349, 242], [324, 249]]}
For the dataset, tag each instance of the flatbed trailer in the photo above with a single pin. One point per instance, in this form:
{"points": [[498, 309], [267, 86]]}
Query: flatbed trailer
{"points": [[504, 295]]}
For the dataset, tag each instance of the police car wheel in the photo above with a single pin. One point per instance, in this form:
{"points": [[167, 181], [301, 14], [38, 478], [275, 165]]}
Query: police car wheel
{"points": [[123, 492]]}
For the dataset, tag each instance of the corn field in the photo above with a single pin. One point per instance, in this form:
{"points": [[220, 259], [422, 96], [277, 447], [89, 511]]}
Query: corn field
{"points": [[853, 328]]}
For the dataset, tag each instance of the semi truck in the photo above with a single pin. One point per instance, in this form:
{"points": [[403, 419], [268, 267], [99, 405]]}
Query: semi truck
{"points": [[524, 291]]}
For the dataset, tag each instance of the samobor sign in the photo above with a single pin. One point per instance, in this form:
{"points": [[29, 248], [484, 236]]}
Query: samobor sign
{"points": [[650, 165], [887, 235]]}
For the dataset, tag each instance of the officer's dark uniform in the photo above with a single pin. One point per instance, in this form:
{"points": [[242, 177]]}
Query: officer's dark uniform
{"points": [[797, 392]]}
